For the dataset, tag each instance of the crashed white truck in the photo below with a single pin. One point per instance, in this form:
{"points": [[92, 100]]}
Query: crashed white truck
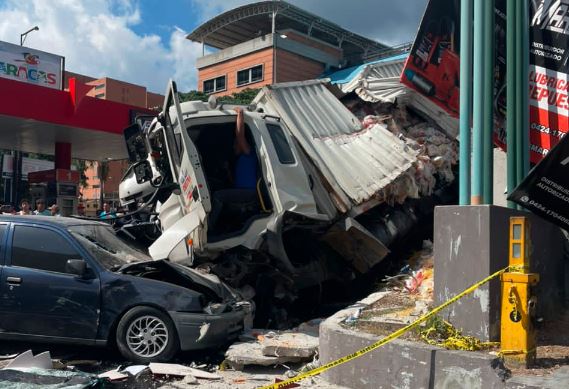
{"points": [[318, 171]]}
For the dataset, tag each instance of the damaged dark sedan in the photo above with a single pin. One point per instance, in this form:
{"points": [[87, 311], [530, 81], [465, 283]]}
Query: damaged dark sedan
{"points": [[73, 281]]}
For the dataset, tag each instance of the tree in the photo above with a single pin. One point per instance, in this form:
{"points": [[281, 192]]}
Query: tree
{"points": [[103, 173], [243, 97]]}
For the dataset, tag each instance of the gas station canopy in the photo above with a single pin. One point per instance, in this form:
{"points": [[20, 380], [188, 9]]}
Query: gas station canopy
{"points": [[34, 118]]}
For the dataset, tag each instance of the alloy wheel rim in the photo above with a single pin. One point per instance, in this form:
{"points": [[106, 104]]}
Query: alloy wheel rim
{"points": [[147, 336]]}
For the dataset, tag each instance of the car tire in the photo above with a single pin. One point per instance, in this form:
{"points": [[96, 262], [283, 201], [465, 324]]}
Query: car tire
{"points": [[146, 334]]}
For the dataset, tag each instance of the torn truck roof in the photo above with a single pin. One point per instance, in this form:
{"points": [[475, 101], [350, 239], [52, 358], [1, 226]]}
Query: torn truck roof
{"points": [[372, 81], [379, 81], [357, 163]]}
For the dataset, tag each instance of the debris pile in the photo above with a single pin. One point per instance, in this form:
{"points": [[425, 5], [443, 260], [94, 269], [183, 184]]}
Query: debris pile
{"points": [[269, 348], [438, 153], [402, 299]]}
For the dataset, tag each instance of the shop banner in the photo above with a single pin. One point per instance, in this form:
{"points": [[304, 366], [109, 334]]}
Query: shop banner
{"points": [[545, 191], [433, 67], [32, 66]]}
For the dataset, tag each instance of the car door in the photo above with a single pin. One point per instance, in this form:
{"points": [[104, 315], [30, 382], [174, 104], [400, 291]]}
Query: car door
{"points": [[37, 296], [186, 166], [3, 236]]}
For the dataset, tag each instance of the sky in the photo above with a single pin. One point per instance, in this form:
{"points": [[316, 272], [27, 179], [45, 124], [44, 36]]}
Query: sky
{"points": [[143, 41]]}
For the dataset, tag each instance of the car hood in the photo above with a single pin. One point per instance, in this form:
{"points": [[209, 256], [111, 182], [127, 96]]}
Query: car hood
{"points": [[161, 270]]}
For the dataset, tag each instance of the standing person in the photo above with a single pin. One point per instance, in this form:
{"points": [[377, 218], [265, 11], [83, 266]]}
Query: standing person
{"points": [[54, 209], [107, 213], [40, 208], [25, 207], [243, 196]]}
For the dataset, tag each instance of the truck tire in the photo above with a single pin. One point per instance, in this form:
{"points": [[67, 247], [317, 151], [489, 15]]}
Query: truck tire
{"points": [[146, 334]]}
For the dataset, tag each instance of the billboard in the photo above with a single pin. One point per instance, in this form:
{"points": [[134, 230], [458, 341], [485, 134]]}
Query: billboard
{"points": [[545, 191], [31, 66], [433, 67]]}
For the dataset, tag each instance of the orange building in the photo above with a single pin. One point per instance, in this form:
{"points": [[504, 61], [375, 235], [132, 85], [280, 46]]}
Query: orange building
{"points": [[123, 92], [273, 41]]}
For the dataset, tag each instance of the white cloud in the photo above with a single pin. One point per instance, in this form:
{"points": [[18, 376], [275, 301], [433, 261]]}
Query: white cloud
{"points": [[96, 39]]}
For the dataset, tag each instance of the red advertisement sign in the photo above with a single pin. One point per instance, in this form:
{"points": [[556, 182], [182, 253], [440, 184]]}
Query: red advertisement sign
{"points": [[433, 65]]}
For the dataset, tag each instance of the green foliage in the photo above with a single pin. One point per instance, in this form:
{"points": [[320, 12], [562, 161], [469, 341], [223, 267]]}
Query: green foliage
{"points": [[193, 95], [244, 97]]}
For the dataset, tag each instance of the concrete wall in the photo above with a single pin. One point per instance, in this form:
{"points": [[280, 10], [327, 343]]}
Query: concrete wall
{"points": [[293, 67], [471, 242], [402, 364]]}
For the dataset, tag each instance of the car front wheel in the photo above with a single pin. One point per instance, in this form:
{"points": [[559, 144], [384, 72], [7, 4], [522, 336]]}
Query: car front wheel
{"points": [[145, 334]]}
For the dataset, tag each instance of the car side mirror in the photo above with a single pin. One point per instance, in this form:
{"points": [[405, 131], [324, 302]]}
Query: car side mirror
{"points": [[142, 171], [76, 266]]}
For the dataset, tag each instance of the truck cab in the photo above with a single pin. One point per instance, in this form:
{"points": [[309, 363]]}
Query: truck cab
{"points": [[208, 213]]}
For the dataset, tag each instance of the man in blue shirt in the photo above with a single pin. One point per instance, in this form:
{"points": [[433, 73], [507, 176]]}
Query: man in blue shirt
{"points": [[242, 199], [40, 208]]}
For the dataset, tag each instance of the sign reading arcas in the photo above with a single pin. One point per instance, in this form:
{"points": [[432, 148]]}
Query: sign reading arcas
{"points": [[545, 191], [31, 66]]}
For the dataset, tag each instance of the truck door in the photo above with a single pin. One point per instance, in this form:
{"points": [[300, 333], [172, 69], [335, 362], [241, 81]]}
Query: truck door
{"points": [[186, 168]]}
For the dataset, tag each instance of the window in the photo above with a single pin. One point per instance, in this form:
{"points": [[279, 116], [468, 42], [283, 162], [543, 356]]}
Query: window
{"points": [[99, 86], [39, 248], [280, 142], [249, 76], [2, 230], [214, 85], [100, 96]]}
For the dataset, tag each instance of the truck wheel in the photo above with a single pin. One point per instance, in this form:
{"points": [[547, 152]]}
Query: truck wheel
{"points": [[145, 334]]}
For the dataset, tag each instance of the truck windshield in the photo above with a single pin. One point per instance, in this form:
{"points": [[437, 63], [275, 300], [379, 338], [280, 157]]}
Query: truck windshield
{"points": [[106, 247]]}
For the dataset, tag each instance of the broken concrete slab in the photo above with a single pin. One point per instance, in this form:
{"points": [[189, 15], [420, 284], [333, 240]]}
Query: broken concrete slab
{"points": [[174, 369], [251, 353], [28, 360], [113, 375], [291, 344]]}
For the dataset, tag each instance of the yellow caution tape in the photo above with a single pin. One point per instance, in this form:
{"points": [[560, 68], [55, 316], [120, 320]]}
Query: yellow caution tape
{"points": [[387, 339]]}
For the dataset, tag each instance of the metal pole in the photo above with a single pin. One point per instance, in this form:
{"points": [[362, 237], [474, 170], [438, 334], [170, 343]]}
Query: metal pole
{"points": [[524, 52], [519, 95], [511, 123], [478, 111], [488, 100], [465, 99]]}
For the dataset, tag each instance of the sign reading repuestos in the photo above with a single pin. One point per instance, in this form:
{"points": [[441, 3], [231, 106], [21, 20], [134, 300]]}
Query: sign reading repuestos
{"points": [[32, 66], [545, 191]]}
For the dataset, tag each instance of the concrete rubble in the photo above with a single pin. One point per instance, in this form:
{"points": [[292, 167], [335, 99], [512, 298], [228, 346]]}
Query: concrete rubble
{"points": [[267, 348]]}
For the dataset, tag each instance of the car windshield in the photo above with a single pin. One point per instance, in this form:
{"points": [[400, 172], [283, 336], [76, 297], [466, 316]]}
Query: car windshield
{"points": [[106, 247]]}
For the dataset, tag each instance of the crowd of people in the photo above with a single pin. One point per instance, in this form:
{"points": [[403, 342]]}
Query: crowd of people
{"points": [[40, 210], [26, 209]]}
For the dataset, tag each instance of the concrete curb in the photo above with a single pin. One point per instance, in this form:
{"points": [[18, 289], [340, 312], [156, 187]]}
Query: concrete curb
{"points": [[402, 364]]}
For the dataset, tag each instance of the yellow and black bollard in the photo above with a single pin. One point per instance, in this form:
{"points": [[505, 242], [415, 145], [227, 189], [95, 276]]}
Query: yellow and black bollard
{"points": [[518, 335]]}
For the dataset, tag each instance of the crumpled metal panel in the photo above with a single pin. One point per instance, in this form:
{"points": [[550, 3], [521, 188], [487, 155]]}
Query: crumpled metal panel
{"points": [[357, 163], [378, 81]]}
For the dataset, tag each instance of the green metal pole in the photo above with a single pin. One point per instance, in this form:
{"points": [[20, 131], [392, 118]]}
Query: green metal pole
{"points": [[478, 107], [511, 116], [465, 99], [519, 95], [488, 100], [524, 76]]}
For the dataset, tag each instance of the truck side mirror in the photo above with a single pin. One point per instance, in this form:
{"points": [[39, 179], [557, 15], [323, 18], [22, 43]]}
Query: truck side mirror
{"points": [[135, 144], [76, 266], [142, 171]]}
